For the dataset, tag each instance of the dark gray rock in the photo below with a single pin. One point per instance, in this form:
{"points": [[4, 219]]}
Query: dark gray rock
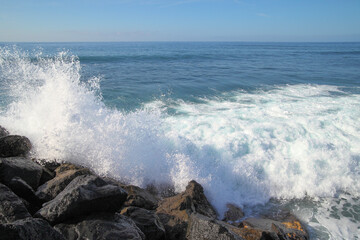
{"points": [[23, 190], [14, 146], [234, 213], [46, 176], [32, 209], [3, 132], [85, 194], [29, 229], [20, 167], [50, 189], [101, 226], [202, 227], [174, 212], [148, 222], [11, 206], [139, 197]]}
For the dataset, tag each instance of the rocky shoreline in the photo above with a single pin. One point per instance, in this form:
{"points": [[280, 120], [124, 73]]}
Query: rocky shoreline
{"points": [[45, 200]]}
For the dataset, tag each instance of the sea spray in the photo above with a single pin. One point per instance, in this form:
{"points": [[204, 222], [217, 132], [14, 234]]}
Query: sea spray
{"points": [[65, 120], [246, 147]]}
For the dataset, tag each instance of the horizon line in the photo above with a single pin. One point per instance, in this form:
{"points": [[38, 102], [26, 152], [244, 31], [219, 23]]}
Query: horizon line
{"points": [[186, 41]]}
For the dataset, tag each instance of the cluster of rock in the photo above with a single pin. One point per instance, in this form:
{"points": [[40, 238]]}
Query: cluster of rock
{"points": [[40, 200]]}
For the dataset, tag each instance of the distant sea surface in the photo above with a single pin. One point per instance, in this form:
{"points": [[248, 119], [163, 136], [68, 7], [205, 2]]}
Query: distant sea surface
{"points": [[266, 126]]}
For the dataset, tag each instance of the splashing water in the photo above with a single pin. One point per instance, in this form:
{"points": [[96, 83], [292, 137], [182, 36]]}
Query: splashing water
{"points": [[289, 142]]}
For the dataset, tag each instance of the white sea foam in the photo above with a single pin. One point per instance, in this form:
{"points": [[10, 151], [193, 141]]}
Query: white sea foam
{"points": [[289, 142]]}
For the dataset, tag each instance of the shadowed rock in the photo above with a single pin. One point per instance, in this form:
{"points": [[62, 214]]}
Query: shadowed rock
{"points": [[46, 176], [202, 227], [14, 146], [64, 175], [101, 226], [23, 190], [85, 194], [29, 229], [174, 212], [148, 222], [11, 206], [20, 167], [3, 132]]}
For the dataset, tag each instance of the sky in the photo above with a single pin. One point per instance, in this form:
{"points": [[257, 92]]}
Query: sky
{"points": [[179, 20]]}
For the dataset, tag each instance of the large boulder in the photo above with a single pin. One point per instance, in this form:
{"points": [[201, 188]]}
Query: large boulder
{"points": [[174, 212], [3, 132], [64, 175], [20, 167], [23, 190], [11, 206], [262, 228], [14, 146], [101, 226], [141, 198], [148, 222], [29, 229], [85, 194], [202, 227]]}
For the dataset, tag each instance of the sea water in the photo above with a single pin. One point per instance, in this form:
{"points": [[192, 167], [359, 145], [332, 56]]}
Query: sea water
{"points": [[266, 126]]}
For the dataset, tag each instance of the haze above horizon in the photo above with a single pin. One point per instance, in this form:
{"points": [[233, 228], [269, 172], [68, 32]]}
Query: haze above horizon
{"points": [[179, 20]]}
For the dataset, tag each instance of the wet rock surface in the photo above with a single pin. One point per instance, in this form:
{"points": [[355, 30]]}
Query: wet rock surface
{"points": [[84, 195], [234, 213], [14, 145], [3, 132], [23, 190], [29, 229], [139, 197], [20, 167], [11, 206], [64, 175], [174, 212], [262, 228], [86, 206], [202, 227], [148, 222], [101, 226]]}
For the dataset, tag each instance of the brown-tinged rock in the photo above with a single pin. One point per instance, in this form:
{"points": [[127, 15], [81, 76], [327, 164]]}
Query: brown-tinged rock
{"points": [[174, 212], [259, 228], [139, 197]]}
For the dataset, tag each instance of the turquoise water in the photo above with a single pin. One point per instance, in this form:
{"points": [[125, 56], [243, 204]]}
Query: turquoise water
{"points": [[257, 124]]}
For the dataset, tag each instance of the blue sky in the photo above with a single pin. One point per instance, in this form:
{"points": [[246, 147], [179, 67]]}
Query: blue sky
{"points": [[179, 20]]}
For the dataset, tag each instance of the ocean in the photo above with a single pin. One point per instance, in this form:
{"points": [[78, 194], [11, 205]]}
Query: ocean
{"points": [[266, 126]]}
